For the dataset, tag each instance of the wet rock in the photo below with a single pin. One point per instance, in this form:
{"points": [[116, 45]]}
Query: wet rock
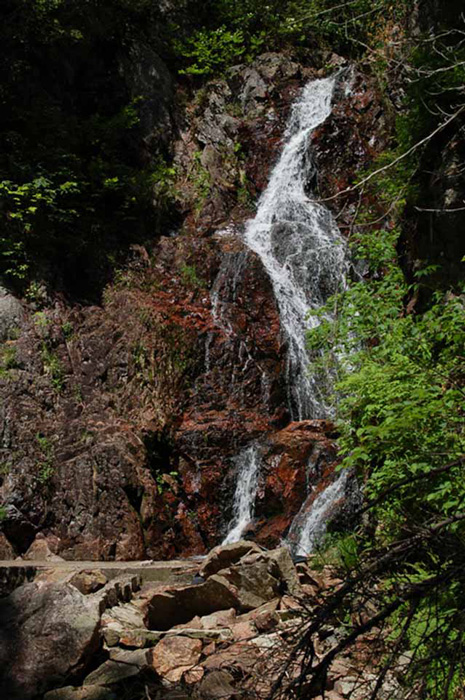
{"points": [[173, 656], [122, 417], [286, 476], [37, 621], [357, 130]]}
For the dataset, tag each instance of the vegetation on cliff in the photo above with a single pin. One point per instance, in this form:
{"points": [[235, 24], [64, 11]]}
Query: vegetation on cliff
{"points": [[400, 329]]}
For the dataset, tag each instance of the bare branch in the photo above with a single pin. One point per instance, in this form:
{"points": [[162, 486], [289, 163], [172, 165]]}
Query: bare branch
{"points": [[440, 211], [398, 159]]}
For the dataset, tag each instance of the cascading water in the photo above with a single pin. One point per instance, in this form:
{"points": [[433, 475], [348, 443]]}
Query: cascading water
{"points": [[310, 523], [299, 244], [304, 255], [246, 489]]}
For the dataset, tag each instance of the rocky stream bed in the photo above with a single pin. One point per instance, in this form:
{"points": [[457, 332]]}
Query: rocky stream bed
{"points": [[114, 631]]}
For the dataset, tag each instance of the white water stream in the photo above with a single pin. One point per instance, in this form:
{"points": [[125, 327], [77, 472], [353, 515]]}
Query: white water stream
{"points": [[300, 247], [246, 490], [310, 523]]}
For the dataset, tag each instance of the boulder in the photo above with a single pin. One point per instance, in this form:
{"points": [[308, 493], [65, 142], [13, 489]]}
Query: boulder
{"points": [[283, 567], [253, 92], [253, 583], [243, 630], [276, 66], [179, 605], [173, 656], [260, 577], [240, 656], [49, 631], [223, 556]]}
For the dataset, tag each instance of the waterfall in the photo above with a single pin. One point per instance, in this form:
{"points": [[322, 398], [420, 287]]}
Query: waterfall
{"points": [[310, 523], [246, 490], [299, 244], [304, 255]]}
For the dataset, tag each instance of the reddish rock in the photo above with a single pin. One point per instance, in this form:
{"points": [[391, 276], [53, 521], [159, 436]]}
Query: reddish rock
{"points": [[172, 656], [300, 454], [348, 141]]}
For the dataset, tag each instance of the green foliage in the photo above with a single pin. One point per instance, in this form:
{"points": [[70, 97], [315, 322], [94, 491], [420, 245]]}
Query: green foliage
{"points": [[229, 33], [190, 277], [67, 328], [211, 51], [53, 368], [401, 384], [164, 480], [45, 468], [403, 412], [200, 180], [8, 359]]}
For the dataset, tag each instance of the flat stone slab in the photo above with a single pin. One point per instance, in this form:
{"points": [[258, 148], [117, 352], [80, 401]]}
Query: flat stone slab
{"points": [[171, 572]]}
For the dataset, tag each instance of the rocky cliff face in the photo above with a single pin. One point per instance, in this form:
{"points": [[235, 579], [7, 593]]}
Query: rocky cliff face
{"points": [[120, 423]]}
